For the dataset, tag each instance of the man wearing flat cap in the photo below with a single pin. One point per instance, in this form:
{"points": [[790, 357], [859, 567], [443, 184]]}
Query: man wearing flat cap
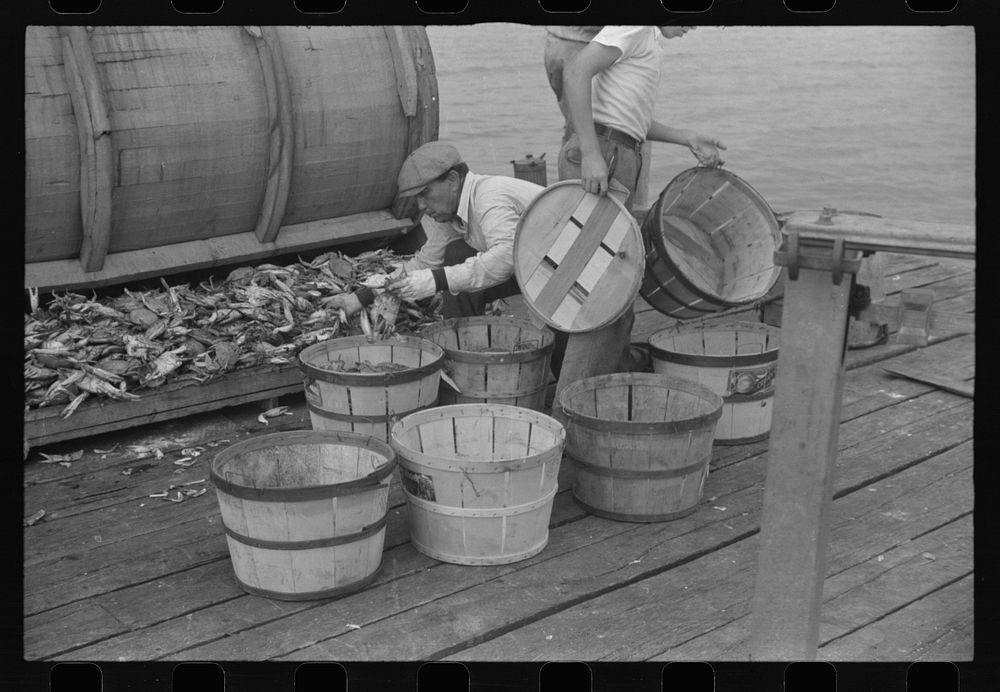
{"points": [[469, 221]]}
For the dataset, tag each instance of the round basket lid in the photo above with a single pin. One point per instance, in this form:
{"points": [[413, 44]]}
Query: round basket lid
{"points": [[578, 257]]}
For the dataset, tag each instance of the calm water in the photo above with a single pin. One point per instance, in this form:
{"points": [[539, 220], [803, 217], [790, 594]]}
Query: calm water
{"points": [[876, 119]]}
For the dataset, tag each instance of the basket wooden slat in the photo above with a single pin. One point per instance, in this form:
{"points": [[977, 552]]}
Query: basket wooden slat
{"points": [[710, 241], [737, 360], [369, 402], [500, 360], [479, 480], [578, 258], [641, 444], [304, 512]]}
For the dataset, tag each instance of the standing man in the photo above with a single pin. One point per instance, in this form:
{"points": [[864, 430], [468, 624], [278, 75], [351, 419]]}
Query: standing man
{"points": [[609, 88], [469, 220], [562, 43]]}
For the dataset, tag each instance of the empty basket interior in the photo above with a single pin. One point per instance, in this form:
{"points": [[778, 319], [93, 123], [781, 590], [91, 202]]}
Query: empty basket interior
{"points": [[299, 465], [720, 235], [489, 335], [486, 433], [645, 401]]}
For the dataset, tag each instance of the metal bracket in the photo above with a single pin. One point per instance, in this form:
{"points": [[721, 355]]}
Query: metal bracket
{"points": [[914, 317], [822, 255]]}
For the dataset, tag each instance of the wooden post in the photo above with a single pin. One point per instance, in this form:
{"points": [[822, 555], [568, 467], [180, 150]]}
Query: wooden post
{"points": [[795, 522]]}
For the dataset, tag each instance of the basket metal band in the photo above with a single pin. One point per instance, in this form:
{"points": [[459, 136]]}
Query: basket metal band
{"points": [[437, 508], [312, 595], [356, 417], [713, 361], [312, 544], [500, 395], [639, 474], [316, 492]]}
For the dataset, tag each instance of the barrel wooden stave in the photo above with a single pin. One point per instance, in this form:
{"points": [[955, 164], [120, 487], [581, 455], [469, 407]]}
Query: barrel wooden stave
{"points": [[190, 129], [282, 494], [640, 444], [481, 490]]}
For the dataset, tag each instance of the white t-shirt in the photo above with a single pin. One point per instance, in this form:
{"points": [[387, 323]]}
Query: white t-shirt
{"points": [[623, 95]]}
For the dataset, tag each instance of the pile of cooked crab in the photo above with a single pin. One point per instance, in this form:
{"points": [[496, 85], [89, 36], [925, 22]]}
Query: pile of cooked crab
{"points": [[77, 347]]}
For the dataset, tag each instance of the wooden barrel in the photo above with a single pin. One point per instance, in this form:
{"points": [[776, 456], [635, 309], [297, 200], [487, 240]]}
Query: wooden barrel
{"points": [[641, 444], [498, 360], [479, 481], [390, 378], [736, 360], [140, 137], [304, 512], [577, 257], [710, 242]]}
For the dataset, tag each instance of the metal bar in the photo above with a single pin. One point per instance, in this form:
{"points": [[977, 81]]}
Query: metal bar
{"points": [[873, 233], [795, 522], [946, 383]]}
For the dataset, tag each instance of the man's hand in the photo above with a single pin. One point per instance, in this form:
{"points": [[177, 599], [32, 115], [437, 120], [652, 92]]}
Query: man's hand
{"points": [[706, 150], [414, 286], [594, 173]]}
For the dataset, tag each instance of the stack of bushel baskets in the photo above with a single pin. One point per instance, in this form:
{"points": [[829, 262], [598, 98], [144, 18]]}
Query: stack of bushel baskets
{"points": [[459, 408]]}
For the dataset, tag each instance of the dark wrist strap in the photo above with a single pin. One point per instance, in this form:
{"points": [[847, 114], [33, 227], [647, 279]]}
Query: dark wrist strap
{"points": [[440, 279]]}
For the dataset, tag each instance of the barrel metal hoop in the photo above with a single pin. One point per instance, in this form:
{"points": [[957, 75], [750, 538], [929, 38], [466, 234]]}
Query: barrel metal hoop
{"points": [[475, 394], [311, 544], [482, 512], [639, 474], [312, 595]]}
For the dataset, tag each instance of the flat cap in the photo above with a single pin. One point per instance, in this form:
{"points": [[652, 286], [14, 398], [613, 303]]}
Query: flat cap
{"points": [[424, 165]]}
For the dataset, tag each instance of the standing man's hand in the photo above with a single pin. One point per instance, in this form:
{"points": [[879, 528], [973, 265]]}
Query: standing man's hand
{"points": [[594, 173], [706, 150]]}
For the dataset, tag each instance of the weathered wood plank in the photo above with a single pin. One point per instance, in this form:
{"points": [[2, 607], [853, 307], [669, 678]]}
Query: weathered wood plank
{"points": [[194, 255], [855, 596], [647, 619], [938, 627], [46, 425]]}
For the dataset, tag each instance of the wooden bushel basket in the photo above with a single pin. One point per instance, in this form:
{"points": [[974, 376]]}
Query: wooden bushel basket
{"points": [[737, 361], [367, 402], [304, 512], [479, 481], [641, 444], [710, 242], [578, 257], [496, 360]]}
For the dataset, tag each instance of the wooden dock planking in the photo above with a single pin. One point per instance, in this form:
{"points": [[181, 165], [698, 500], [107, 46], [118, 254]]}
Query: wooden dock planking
{"points": [[643, 620], [851, 595], [160, 583], [262, 640], [850, 437]]}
